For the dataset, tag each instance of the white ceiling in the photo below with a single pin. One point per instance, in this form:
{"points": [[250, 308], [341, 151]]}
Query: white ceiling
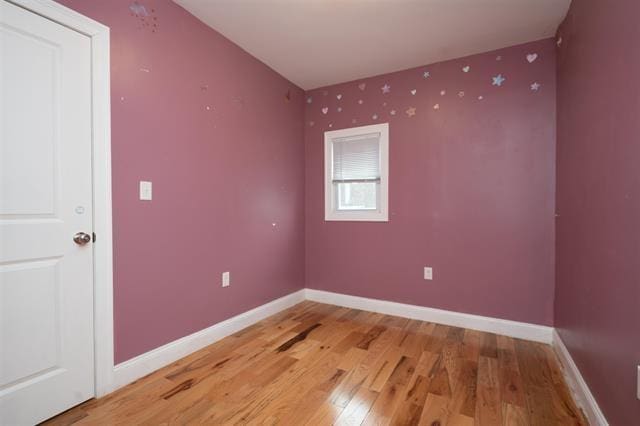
{"points": [[315, 43]]}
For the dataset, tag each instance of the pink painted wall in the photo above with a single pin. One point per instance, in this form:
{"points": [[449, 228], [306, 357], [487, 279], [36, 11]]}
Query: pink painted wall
{"points": [[210, 126], [472, 188], [597, 307]]}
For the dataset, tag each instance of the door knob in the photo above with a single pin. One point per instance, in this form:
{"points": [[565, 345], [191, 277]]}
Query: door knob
{"points": [[82, 238]]}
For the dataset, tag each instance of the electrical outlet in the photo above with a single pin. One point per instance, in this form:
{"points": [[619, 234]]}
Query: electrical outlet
{"points": [[428, 273], [146, 190], [226, 279]]}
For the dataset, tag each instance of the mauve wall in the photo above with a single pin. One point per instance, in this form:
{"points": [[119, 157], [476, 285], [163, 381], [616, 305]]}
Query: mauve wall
{"points": [[211, 127], [472, 187], [597, 307]]}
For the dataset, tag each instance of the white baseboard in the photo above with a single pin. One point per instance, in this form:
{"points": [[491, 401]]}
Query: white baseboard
{"points": [[521, 330], [155, 359], [581, 393]]}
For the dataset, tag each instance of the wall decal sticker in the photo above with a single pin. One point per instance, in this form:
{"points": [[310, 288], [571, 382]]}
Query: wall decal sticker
{"points": [[330, 124], [498, 80], [559, 41], [287, 96], [311, 123], [204, 87], [121, 98], [146, 19], [374, 100], [138, 9], [208, 108], [147, 70]]}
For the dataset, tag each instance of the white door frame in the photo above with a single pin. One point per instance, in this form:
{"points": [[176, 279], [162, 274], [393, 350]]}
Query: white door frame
{"points": [[101, 169]]}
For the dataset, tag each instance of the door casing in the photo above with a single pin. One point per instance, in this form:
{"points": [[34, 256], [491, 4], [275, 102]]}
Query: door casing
{"points": [[101, 170]]}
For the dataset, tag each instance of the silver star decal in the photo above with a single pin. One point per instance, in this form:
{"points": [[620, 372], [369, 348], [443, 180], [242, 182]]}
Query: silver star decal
{"points": [[426, 74], [535, 86], [386, 88], [498, 80]]}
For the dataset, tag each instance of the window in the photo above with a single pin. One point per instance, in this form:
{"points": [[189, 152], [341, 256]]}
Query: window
{"points": [[356, 174]]}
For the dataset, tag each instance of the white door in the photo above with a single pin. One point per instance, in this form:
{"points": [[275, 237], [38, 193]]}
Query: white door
{"points": [[46, 279]]}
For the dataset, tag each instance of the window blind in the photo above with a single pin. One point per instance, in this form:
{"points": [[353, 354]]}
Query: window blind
{"points": [[356, 159]]}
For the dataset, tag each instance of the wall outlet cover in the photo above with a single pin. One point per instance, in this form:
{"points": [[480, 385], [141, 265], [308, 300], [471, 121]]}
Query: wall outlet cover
{"points": [[226, 279], [428, 273], [146, 190]]}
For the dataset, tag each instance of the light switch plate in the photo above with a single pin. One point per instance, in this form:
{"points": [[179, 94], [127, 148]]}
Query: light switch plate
{"points": [[226, 279], [145, 190], [428, 273]]}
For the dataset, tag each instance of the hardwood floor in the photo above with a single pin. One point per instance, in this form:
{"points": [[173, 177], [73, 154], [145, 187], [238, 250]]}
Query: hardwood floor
{"points": [[318, 364]]}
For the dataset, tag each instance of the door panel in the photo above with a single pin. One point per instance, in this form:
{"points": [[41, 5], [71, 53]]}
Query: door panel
{"points": [[46, 280]]}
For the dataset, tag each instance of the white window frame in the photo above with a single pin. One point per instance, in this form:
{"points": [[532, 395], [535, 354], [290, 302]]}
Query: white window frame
{"points": [[330, 211]]}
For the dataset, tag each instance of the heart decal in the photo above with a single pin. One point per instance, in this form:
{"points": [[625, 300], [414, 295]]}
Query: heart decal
{"points": [[466, 69], [532, 57], [325, 110], [362, 86], [339, 97], [413, 91]]}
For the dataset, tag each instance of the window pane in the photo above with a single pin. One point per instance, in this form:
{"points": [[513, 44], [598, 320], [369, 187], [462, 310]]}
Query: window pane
{"points": [[357, 196]]}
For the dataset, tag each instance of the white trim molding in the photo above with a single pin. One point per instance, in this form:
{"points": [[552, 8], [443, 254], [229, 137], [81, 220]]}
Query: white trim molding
{"points": [[581, 392], [155, 359], [101, 168], [520, 330]]}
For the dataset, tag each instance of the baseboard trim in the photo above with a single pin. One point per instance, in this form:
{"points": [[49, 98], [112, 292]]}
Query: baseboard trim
{"points": [[581, 392], [135, 368], [521, 330]]}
